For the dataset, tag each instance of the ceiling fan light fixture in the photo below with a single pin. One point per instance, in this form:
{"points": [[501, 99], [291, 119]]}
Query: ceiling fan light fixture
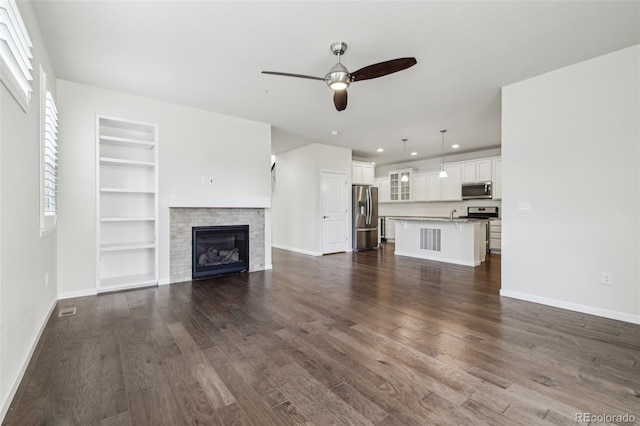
{"points": [[338, 85], [338, 78]]}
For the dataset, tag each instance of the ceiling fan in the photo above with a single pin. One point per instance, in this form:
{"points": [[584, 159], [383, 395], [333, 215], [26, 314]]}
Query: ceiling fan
{"points": [[339, 77]]}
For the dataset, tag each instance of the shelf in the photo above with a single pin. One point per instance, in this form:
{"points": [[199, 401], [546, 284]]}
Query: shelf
{"points": [[132, 143], [127, 204], [127, 281], [128, 163], [128, 191], [127, 246], [126, 219]]}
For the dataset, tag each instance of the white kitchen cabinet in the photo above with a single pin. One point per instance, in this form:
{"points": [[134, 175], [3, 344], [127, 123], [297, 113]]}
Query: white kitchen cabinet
{"points": [[400, 185], [445, 189], [495, 236], [127, 203], [452, 184], [362, 173], [469, 172], [434, 187], [383, 190], [419, 187], [483, 170], [497, 179], [476, 171]]}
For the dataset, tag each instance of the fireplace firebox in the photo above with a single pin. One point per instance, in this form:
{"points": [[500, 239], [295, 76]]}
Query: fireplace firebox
{"points": [[220, 250]]}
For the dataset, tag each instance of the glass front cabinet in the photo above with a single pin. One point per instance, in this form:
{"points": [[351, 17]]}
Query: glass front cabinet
{"points": [[400, 185]]}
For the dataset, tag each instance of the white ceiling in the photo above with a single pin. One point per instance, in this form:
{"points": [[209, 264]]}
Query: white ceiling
{"points": [[210, 54]]}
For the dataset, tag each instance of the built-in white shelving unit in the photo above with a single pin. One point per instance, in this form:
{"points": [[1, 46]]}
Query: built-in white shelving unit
{"points": [[127, 203]]}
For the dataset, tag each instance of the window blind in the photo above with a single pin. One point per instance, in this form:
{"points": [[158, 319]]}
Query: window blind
{"points": [[15, 53], [50, 156]]}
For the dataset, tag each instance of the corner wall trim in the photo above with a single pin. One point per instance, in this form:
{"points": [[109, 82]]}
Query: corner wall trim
{"points": [[77, 293], [6, 404], [164, 281], [591, 310], [297, 250]]}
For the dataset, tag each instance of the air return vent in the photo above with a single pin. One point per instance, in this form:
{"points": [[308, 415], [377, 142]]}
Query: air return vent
{"points": [[67, 312], [430, 239]]}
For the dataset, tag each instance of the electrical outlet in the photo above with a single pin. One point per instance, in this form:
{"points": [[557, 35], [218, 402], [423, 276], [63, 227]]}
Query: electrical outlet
{"points": [[607, 278], [524, 207], [204, 180]]}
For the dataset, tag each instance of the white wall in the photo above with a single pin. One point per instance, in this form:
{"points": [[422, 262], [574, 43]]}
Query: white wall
{"points": [[571, 149], [26, 257], [297, 200], [192, 143], [294, 202]]}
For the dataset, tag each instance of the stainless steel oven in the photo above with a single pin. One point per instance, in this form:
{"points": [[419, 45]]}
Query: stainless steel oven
{"points": [[483, 213]]}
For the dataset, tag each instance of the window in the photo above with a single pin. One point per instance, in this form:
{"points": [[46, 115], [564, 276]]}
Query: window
{"points": [[15, 53], [49, 157]]}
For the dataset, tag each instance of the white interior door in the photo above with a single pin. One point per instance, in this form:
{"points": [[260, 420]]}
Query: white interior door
{"points": [[334, 212]]}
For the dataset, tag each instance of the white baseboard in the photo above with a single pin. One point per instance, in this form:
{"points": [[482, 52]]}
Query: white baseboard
{"points": [[585, 309], [268, 267], [77, 293], [297, 250], [164, 281], [6, 404]]}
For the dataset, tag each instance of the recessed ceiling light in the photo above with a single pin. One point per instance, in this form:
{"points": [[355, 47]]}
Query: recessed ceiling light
{"points": [[373, 163], [334, 132], [379, 149], [455, 146], [414, 153]]}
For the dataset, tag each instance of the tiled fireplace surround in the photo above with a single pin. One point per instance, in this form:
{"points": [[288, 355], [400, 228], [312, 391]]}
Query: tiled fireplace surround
{"points": [[183, 219]]}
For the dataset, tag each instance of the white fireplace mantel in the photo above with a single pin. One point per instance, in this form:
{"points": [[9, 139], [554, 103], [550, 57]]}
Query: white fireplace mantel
{"points": [[219, 201]]}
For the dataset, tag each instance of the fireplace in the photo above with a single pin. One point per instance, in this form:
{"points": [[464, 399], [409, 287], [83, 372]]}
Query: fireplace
{"points": [[219, 250]]}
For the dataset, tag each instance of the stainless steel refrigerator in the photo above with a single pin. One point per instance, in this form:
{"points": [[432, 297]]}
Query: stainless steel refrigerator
{"points": [[365, 217]]}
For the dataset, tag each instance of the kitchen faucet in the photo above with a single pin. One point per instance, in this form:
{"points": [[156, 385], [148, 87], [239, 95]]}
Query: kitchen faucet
{"points": [[451, 214]]}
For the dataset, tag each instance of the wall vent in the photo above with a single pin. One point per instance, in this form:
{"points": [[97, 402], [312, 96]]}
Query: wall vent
{"points": [[67, 312], [430, 239]]}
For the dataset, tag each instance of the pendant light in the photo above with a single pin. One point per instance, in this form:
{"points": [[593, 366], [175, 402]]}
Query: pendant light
{"points": [[405, 177], [443, 173]]}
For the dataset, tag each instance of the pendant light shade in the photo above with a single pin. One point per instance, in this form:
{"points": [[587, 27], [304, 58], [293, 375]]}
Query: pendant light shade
{"points": [[443, 172]]}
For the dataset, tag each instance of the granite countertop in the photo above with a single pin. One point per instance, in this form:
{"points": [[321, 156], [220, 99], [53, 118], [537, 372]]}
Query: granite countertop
{"points": [[434, 219]]}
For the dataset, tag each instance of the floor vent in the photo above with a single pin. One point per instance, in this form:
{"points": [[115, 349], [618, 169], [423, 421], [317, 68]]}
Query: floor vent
{"points": [[430, 239], [67, 312]]}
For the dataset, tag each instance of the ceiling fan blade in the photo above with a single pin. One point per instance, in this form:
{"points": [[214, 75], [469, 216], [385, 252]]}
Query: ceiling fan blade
{"points": [[383, 68], [286, 74], [340, 99]]}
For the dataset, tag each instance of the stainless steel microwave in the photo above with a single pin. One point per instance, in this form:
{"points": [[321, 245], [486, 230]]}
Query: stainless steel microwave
{"points": [[473, 191]]}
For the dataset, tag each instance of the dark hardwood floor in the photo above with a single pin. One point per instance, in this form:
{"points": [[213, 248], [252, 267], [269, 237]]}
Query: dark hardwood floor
{"points": [[356, 338]]}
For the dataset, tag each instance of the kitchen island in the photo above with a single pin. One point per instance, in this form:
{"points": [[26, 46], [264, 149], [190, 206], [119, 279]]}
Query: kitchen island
{"points": [[460, 241]]}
